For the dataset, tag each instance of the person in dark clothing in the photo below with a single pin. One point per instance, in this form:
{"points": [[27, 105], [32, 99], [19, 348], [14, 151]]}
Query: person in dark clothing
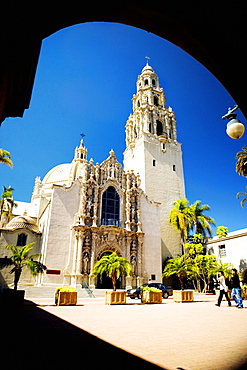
{"points": [[236, 289]]}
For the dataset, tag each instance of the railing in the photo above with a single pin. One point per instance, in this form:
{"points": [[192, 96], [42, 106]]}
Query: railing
{"points": [[111, 222]]}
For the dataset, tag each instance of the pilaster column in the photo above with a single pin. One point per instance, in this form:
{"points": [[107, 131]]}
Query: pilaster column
{"points": [[79, 253], [93, 248], [139, 254]]}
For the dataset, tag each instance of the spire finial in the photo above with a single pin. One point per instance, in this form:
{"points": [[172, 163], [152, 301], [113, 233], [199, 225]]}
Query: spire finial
{"points": [[82, 141], [147, 59]]}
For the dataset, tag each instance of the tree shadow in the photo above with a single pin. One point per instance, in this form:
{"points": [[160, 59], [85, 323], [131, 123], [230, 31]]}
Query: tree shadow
{"points": [[40, 338]]}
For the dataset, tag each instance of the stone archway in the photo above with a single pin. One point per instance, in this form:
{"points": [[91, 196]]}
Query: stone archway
{"points": [[188, 27]]}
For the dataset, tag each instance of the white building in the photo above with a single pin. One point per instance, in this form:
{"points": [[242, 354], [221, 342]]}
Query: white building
{"points": [[82, 211], [231, 249]]}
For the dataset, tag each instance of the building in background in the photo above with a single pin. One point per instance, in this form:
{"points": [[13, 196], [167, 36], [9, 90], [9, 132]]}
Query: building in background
{"points": [[81, 210], [231, 249]]}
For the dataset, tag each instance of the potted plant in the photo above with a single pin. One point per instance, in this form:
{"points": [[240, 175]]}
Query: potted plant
{"points": [[66, 296], [180, 266], [113, 266], [20, 258], [151, 295], [244, 291]]}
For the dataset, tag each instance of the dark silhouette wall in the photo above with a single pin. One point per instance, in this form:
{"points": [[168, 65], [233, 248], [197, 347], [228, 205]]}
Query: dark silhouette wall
{"points": [[213, 32]]}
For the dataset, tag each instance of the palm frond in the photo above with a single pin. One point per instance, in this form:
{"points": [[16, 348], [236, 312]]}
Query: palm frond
{"points": [[5, 157], [35, 267], [5, 262], [240, 194]]}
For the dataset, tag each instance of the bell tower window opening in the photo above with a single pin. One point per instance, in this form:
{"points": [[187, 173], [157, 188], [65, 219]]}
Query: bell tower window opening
{"points": [[153, 82], [146, 82], [110, 207], [156, 101], [159, 128]]}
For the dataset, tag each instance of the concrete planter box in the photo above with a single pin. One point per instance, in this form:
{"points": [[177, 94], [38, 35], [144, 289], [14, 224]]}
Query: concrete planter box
{"points": [[115, 297], [183, 295], [65, 298], [244, 293], [151, 297]]}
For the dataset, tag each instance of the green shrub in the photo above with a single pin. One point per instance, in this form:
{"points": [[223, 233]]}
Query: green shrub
{"points": [[151, 289], [66, 289]]}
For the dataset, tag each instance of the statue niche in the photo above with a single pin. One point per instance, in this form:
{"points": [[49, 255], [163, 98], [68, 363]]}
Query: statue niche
{"points": [[86, 255]]}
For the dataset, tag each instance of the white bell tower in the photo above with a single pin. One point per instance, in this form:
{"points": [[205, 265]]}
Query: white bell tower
{"points": [[152, 151]]}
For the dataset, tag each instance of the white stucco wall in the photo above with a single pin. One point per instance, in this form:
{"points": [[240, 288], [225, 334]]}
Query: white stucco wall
{"points": [[56, 244], [162, 183], [150, 218]]}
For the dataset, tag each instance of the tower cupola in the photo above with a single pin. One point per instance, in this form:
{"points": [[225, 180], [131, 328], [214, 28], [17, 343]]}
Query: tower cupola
{"points": [[150, 115], [80, 152]]}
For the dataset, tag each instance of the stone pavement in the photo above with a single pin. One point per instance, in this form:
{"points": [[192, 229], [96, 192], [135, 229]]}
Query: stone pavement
{"points": [[191, 336]]}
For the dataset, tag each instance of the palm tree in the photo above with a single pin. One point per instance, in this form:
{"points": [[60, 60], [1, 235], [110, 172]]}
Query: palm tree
{"points": [[200, 222], [7, 203], [5, 157], [241, 164], [20, 258], [180, 266], [114, 267], [244, 194], [180, 218]]}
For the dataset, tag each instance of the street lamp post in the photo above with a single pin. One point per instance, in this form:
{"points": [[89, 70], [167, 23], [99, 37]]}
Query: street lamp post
{"points": [[234, 128]]}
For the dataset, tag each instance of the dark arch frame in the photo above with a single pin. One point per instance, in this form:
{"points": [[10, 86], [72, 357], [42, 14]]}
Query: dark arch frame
{"points": [[190, 27]]}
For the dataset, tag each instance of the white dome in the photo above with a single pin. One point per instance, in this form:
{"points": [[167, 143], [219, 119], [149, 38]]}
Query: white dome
{"points": [[147, 69], [22, 222], [58, 175]]}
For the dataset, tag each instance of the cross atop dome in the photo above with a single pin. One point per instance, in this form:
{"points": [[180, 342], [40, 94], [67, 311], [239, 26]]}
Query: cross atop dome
{"points": [[147, 59]]}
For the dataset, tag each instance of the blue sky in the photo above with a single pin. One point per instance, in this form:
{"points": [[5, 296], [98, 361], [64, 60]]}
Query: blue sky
{"points": [[85, 80]]}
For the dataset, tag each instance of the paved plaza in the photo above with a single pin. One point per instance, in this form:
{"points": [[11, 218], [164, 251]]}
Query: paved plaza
{"points": [[192, 336]]}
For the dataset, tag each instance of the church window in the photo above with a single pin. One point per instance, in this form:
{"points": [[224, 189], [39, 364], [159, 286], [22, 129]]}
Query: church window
{"points": [[110, 207], [154, 162], [163, 146], [21, 240], [146, 82], [174, 167], [153, 82], [159, 128]]}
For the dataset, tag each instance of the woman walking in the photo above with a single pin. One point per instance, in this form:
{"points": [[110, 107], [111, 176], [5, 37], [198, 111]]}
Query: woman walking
{"points": [[223, 289]]}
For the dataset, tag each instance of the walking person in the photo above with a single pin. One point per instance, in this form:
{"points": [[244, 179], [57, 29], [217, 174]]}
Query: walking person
{"points": [[236, 289], [223, 289]]}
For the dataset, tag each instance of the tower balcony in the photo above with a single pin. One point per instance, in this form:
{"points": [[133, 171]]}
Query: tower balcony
{"points": [[111, 222]]}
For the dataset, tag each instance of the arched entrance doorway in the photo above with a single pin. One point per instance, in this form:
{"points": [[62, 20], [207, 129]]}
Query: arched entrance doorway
{"points": [[104, 282]]}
